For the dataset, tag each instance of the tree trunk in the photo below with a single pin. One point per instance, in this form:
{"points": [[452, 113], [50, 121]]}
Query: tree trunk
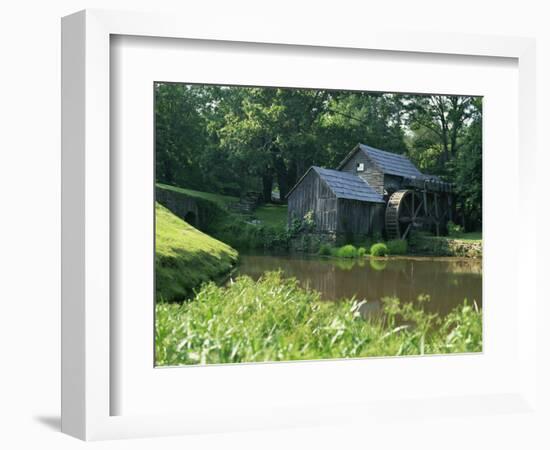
{"points": [[291, 177], [267, 187], [282, 177]]}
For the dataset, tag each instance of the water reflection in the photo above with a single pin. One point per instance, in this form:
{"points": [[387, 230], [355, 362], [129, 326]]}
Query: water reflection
{"points": [[447, 281]]}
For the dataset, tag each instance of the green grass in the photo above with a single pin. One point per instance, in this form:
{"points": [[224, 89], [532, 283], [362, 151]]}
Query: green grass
{"points": [[274, 319], [272, 215], [185, 257], [221, 200], [471, 236]]}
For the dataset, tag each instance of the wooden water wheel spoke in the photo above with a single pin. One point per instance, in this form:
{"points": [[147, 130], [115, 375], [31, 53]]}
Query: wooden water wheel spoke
{"points": [[406, 231], [418, 210], [403, 212]]}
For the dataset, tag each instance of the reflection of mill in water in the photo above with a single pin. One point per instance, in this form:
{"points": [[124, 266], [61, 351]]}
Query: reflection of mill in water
{"points": [[447, 282]]}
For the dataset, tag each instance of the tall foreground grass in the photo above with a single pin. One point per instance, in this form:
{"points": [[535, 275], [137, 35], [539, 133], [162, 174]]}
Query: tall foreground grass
{"points": [[274, 319]]}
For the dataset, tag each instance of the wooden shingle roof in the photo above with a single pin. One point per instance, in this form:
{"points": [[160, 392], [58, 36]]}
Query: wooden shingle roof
{"points": [[391, 163], [387, 162], [348, 186]]}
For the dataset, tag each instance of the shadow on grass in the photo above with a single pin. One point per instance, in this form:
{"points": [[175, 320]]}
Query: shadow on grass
{"points": [[177, 276]]}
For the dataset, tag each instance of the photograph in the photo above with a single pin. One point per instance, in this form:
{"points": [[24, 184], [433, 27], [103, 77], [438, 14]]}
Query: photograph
{"points": [[296, 224]]}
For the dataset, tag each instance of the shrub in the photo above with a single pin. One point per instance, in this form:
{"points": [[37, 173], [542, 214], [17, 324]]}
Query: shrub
{"points": [[240, 234], [379, 249], [325, 250], [397, 247], [308, 222], [454, 229], [361, 251], [347, 251]]}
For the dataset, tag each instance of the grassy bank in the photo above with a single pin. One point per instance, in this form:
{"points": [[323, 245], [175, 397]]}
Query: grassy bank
{"points": [[274, 320], [185, 257], [265, 228]]}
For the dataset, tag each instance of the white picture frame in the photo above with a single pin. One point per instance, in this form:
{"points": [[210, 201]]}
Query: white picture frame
{"points": [[88, 325]]}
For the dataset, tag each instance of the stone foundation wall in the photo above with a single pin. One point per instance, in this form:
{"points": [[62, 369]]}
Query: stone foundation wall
{"points": [[181, 205], [436, 246]]}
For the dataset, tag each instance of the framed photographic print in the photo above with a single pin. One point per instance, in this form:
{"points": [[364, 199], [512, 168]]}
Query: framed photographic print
{"points": [[371, 257], [276, 229]]}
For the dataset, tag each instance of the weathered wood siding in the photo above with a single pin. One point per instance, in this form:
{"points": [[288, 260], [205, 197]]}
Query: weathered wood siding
{"points": [[362, 218], [312, 194], [371, 174]]}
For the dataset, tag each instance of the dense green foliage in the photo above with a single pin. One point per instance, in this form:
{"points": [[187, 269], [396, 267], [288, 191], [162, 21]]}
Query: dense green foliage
{"points": [[379, 249], [186, 257], [347, 251], [241, 233], [325, 250], [466, 170], [274, 320], [397, 247], [454, 229], [230, 140]]}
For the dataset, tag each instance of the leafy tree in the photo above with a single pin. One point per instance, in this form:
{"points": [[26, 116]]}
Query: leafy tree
{"points": [[467, 171], [444, 117], [272, 132], [353, 117], [234, 139], [180, 132]]}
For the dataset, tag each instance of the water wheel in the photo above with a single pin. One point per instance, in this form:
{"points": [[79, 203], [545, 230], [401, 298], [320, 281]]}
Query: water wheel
{"points": [[403, 212]]}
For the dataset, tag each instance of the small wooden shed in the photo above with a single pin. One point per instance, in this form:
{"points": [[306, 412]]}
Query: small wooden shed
{"points": [[340, 202]]}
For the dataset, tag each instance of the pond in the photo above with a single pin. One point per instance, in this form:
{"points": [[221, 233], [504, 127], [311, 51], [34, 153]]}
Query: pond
{"points": [[448, 281]]}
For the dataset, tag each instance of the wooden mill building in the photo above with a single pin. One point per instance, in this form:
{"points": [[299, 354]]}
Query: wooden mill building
{"points": [[371, 191]]}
